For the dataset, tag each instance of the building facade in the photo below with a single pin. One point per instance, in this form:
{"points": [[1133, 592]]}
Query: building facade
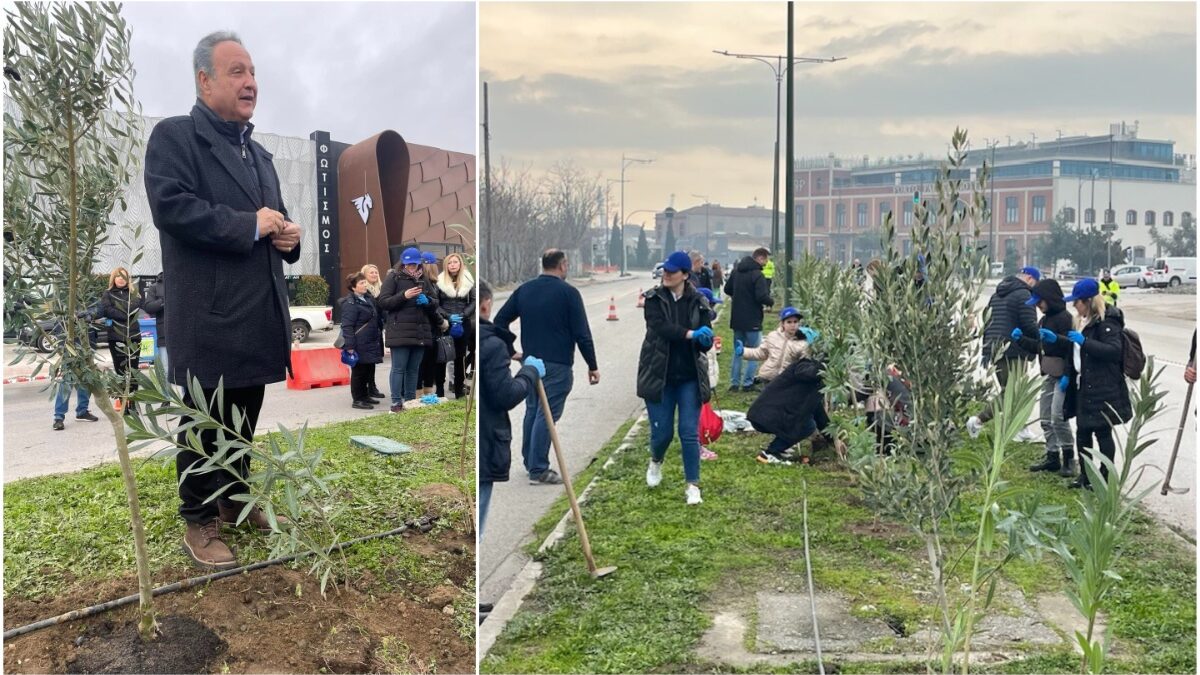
{"points": [[720, 232], [840, 204]]}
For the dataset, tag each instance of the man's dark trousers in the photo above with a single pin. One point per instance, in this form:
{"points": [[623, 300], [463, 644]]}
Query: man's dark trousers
{"points": [[535, 437], [1002, 367], [198, 487]]}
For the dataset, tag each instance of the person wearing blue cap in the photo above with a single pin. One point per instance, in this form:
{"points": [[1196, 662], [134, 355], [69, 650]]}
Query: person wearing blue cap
{"points": [[553, 323], [779, 349], [1008, 311], [1096, 393], [673, 370], [411, 304], [1052, 356]]}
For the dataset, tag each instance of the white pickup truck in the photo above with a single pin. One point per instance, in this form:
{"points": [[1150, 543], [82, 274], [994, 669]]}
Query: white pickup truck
{"points": [[307, 319]]}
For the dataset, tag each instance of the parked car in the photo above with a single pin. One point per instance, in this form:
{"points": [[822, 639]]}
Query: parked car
{"points": [[1173, 272], [1133, 275], [657, 273], [307, 319], [52, 330]]}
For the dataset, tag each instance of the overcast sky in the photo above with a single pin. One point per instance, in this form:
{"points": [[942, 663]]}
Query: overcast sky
{"points": [[353, 69], [589, 81]]}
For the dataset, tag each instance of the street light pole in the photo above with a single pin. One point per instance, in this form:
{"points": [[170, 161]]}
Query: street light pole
{"points": [[607, 234], [626, 161], [1110, 225], [778, 69], [992, 211]]}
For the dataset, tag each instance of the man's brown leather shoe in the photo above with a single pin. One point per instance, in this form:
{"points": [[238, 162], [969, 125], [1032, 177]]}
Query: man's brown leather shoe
{"points": [[257, 518], [203, 544]]}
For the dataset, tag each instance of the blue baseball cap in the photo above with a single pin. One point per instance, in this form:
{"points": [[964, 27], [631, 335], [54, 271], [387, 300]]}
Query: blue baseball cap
{"points": [[1084, 289], [429, 257], [712, 298], [349, 358], [411, 256], [678, 261], [788, 312], [1033, 272]]}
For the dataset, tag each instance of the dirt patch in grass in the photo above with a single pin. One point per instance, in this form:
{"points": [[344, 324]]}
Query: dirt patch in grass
{"points": [[183, 646], [272, 620]]}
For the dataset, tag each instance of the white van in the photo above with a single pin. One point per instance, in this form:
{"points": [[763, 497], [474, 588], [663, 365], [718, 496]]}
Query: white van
{"points": [[1173, 272]]}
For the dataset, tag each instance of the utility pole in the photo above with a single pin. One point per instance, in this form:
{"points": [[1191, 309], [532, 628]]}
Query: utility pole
{"points": [[1110, 216], [992, 143], [607, 234], [778, 69], [790, 224], [626, 161], [489, 254]]}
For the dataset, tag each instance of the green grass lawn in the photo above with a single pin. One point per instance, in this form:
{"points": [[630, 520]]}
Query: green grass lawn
{"points": [[678, 565], [70, 529]]}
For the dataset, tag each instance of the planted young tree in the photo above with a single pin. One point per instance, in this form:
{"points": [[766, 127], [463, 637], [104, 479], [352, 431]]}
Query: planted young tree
{"points": [[69, 152], [1091, 546], [923, 320], [831, 299]]}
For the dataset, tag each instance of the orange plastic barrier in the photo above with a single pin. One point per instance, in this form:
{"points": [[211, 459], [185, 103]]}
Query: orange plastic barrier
{"points": [[312, 368]]}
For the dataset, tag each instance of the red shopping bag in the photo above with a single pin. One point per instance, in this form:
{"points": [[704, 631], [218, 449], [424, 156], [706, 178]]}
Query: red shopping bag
{"points": [[711, 425]]}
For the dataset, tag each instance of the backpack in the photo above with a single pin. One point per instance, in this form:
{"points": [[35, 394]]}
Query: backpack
{"points": [[1133, 357]]}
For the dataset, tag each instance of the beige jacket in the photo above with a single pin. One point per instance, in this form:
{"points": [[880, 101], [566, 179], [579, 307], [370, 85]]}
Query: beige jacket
{"points": [[777, 352]]}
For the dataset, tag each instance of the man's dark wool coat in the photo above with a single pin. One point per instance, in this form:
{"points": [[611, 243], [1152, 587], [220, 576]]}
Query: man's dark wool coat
{"points": [[229, 316]]}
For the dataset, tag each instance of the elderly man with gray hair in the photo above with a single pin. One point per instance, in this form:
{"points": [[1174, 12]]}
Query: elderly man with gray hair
{"points": [[701, 276], [225, 234]]}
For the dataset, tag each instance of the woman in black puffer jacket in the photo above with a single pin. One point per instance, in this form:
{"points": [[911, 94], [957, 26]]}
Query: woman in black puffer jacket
{"points": [[121, 303], [1053, 355], [456, 294], [1097, 395], [361, 334], [411, 304], [673, 369]]}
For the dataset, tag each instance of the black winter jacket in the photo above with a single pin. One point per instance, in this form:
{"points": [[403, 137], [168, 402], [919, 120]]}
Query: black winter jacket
{"points": [[408, 324], [664, 332], [362, 330], [789, 399], [454, 304], [1009, 311], [1056, 320], [116, 304], [751, 292], [1100, 382], [154, 304], [500, 392]]}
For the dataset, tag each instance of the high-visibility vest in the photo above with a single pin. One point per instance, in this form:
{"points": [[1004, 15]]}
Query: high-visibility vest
{"points": [[1110, 291]]}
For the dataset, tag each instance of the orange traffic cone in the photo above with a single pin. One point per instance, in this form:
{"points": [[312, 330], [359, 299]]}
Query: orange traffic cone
{"points": [[641, 299], [612, 309]]}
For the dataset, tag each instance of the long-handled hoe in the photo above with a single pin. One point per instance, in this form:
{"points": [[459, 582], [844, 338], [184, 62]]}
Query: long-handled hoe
{"points": [[1187, 408], [597, 573]]}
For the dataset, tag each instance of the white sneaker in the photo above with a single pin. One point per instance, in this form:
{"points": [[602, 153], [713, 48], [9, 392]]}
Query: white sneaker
{"points": [[974, 426], [654, 474], [693, 495], [1027, 435]]}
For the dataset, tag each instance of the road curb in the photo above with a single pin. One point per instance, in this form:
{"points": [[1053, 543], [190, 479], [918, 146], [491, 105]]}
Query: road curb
{"points": [[507, 606], [22, 379]]}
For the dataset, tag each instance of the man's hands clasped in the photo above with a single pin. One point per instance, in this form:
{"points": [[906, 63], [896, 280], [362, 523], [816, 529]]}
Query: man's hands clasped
{"points": [[284, 234]]}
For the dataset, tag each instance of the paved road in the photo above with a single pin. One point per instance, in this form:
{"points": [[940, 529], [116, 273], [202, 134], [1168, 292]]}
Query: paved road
{"points": [[591, 415], [32, 448]]}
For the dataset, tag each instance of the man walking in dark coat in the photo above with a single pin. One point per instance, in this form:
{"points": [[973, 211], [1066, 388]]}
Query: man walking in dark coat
{"points": [[224, 233], [155, 305], [553, 323], [1009, 309], [751, 291]]}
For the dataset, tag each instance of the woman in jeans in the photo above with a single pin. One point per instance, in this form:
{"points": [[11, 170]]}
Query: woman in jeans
{"points": [[456, 292], [360, 335], [411, 304], [428, 379], [120, 303], [1052, 358], [673, 369], [1097, 395]]}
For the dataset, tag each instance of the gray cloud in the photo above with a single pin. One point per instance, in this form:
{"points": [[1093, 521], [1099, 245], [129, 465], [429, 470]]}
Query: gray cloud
{"points": [[353, 69]]}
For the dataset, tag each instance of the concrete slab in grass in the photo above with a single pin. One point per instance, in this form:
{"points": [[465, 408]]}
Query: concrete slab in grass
{"points": [[384, 446], [785, 624]]}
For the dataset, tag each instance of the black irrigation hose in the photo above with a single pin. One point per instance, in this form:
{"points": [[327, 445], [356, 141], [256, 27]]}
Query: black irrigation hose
{"points": [[422, 524]]}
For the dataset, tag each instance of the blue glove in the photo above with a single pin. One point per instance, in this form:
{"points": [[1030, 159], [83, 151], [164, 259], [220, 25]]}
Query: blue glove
{"points": [[456, 318], [1063, 382], [430, 399], [538, 365], [702, 332], [456, 330], [810, 334], [422, 299], [1076, 337], [739, 348], [1016, 334], [1048, 336]]}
